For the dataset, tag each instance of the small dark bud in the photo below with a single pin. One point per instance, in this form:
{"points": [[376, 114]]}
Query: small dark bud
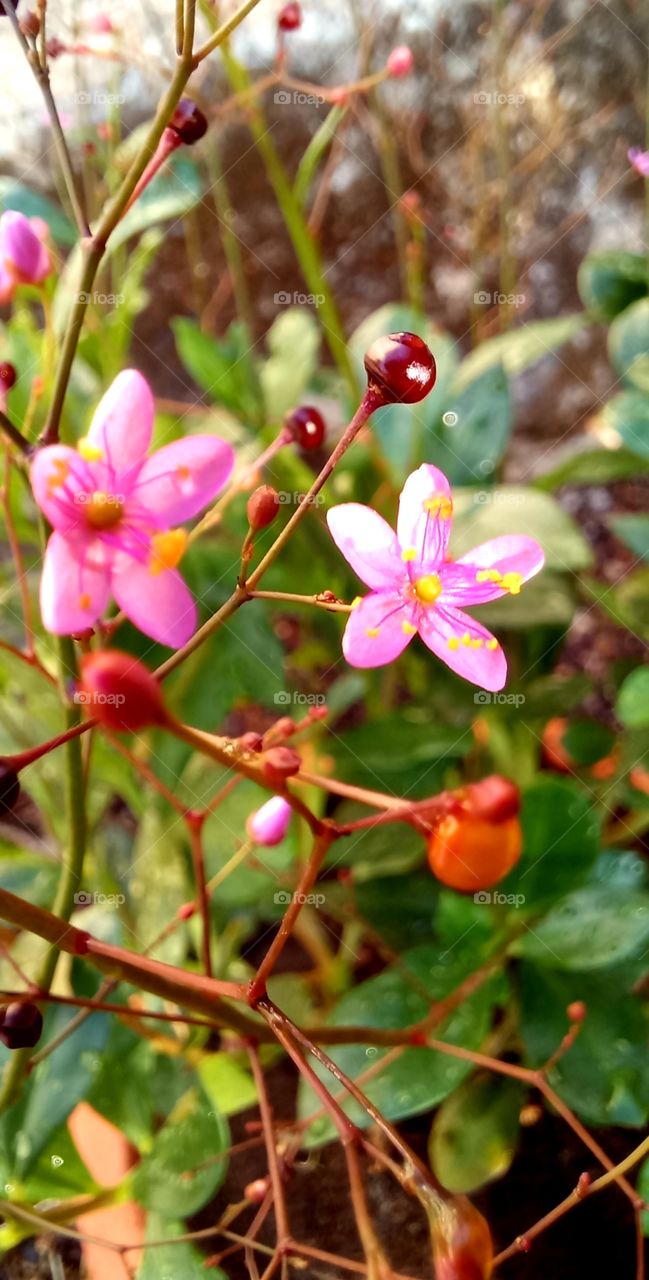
{"points": [[290, 17], [21, 1026], [306, 426], [8, 375], [188, 122], [280, 763]]}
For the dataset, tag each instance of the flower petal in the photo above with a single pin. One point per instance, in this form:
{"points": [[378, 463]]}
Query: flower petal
{"points": [[60, 481], [122, 425], [424, 522], [21, 250], [74, 586], [511, 559], [464, 645], [178, 481], [378, 630], [368, 544], [159, 604]]}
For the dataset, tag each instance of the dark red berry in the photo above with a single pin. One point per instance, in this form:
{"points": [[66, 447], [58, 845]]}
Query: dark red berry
{"points": [[120, 692], [8, 375], [401, 368], [307, 426], [263, 506], [21, 1026], [188, 122], [290, 17], [252, 741], [9, 788]]}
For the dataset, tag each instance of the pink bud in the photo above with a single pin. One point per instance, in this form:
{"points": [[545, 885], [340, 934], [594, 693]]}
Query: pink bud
{"points": [[400, 61], [101, 24], [269, 825], [639, 160], [23, 257]]}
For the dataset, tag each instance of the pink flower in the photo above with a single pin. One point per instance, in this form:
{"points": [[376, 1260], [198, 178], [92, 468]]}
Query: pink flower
{"points": [[111, 508], [639, 160], [23, 257], [401, 61], [416, 587], [269, 825]]}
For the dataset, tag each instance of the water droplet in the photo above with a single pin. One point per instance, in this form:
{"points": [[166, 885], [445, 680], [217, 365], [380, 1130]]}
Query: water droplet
{"points": [[486, 466], [371, 1052], [57, 1161]]}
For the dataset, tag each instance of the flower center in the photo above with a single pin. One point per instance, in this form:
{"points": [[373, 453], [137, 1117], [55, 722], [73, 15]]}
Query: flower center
{"points": [[428, 589], [103, 510]]}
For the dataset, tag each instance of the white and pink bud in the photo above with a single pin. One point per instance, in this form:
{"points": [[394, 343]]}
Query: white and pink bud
{"points": [[268, 825]]}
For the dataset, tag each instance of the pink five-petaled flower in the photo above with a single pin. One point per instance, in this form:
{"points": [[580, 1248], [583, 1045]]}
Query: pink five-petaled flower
{"points": [[23, 256], [416, 587], [112, 509]]}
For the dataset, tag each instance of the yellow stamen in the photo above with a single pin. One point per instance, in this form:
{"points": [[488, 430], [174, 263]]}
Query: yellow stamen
{"points": [[492, 644], [91, 452], [103, 511], [355, 602], [439, 505], [372, 632], [59, 475], [428, 589], [488, 575], [408, 629], [466, 640], [167, 549], [477, 643], [512, 582], [453, 643], [85, 601], [409, 553]]}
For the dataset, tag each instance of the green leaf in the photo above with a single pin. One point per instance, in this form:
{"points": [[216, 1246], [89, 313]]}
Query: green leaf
{"points": [[610, 280], [560, 842], [603, 1076], [419, 1078], [487, 513], [314, 153], [227, 1083], [167, 198], [172, 1261], [474, 1134], [632, 705], [593, 928], [400, 908], [520, 348], [588, 741], [475, 442], [394, 744], [628, 414], [293, 341], [593, 466], [628, 344], [179, 1174], [631, 602], [633, 531], [218, 366]]}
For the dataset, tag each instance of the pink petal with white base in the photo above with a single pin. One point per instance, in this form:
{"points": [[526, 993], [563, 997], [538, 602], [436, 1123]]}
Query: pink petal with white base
{"points": [[378, 630], [159, 604], [493, 569], [178, 481], [122, 425], [424, 521], [368, 544], [74, 587], [464, 645], [61, 480]]}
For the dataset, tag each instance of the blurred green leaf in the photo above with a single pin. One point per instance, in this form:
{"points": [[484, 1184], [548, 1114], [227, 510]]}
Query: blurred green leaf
{"points": [[520, 348], [632, 704], [588, 741], [219, 366], [610, 280], [180, 1174], [487, 513], [172, 1261], [593, 466], [227, 1083], [628, 344], [633, 531], [167, 198], [315, 152], [560, 841], [474, 1133], [628, 414], [293, 342], [400, 908], [473, 441], [593, 928]]}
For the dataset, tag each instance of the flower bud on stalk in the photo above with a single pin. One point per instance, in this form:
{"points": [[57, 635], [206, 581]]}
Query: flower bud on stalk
{"points": [[400, 62], [306, 426], [289, 17], [280, 763], [20, 1025], [269, 824], [186, 126], [262, 508], [120, 692]]}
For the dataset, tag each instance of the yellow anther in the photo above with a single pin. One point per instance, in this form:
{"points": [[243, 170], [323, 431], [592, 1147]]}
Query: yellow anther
{"points": [[167, 549], [428, 589], [466, 640], [59, 474], [91, 452], [439, 505], [477, 643], [355, 602], [409, 553], [453, 643], [408, 629], [492, 644], [488, 575], [372, 632], [512, 582]]}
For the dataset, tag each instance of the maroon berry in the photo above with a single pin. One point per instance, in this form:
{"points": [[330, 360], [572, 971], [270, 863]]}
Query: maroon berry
{"points": [[8, 375], [290, 17], [252, 741], [188, 122], [9, 788], [21, 1026], [401, 368], [263, 506], [307, 426]]}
